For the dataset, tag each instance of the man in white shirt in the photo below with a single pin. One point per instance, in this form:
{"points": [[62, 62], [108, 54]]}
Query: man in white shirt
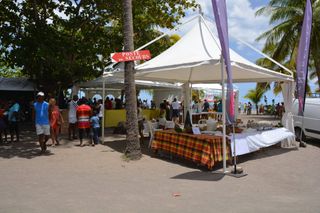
{"points": [[73, 105], [175, 110], [100, 115]]}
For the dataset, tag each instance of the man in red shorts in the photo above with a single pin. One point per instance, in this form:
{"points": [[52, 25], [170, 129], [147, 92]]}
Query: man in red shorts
{"points": [[83, 116]]}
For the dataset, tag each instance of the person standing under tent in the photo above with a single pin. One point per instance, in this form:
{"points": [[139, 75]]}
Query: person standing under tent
{"points": [[215, 106], [113, 103], [195, 107], [163, 107], [175, 110], [108, 103], [100, 109], [206, 106], [41, 119], [140, 122], [73, 105], [219, 110], [153, 105], [13, 119]]}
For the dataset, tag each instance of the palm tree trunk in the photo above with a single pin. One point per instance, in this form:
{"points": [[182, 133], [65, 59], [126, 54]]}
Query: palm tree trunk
{"points": [[317, 65], [132, 150], [257, 109]]}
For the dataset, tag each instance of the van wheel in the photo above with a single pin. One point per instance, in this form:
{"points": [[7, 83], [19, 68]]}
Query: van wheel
{"points": [[297, 131]]}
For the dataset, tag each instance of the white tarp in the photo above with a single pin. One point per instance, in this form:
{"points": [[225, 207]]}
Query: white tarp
{"points": [[248, 142], [16, 84], [287, 118], [118, 83]]}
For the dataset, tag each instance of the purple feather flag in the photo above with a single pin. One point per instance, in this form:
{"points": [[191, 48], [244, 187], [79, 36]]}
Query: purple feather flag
{"points": [[220, 14], [303, 57]]}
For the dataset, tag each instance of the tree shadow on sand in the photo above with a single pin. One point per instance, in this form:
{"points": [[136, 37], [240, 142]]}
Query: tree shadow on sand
{"points": [[119, 146], [27, 147]]}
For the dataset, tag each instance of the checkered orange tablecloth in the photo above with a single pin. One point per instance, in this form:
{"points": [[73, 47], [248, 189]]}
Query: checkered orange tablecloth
{"points": [[202, 149]]}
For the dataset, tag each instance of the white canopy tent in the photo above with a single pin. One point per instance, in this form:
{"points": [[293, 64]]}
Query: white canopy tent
{"points": [[118, 83], [196, 58]]}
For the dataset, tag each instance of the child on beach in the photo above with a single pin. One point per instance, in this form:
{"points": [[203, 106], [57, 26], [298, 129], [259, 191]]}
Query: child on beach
{"points": [[95, 127]]}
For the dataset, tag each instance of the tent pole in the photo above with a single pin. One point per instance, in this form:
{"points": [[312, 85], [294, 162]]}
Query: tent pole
{"points": [[165, 34], [190, 101], [224, 143], [103, 113], [234, 149], [265, 55]]}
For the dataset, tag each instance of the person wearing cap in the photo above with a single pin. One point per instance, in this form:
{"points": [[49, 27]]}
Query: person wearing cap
{"points": [[41, 118]]}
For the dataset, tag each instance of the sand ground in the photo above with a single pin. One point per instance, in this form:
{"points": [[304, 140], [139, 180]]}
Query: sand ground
{"points": [[97, 179]]}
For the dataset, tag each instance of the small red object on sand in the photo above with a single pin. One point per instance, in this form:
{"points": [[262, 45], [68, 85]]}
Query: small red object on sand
{"points": [[176, 194]]}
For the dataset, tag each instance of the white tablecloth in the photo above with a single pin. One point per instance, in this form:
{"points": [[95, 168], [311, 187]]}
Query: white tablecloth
{"points": [[251, 141]]}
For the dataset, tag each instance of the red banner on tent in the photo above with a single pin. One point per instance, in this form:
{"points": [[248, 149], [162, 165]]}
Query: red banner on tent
{"points": [[131, 56]]}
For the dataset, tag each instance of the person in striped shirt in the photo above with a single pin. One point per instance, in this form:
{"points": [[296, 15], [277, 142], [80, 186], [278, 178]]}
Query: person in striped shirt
{"points": [[84, 112]]}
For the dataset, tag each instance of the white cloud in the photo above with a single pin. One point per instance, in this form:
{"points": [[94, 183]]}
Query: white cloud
{"points": [[242, 21]]}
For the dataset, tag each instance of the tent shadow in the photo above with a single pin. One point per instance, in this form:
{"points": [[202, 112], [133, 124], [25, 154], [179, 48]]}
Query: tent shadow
{"points": [[119, 146], [27, 148], [21, 150], [264, 153], [200, 176]]}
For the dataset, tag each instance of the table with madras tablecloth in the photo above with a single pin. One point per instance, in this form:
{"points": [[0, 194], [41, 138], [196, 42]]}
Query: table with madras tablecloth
{"points": [[202, 149]]}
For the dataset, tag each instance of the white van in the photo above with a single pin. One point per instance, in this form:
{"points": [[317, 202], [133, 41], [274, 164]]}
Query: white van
{"points": [[311, 120]]}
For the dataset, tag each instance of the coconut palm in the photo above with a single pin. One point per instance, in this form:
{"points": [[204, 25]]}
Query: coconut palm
{"points": [[255, 96], [133, 150], [282, 40]]}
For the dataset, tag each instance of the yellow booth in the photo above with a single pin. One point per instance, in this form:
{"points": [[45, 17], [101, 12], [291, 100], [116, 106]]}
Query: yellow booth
{"points": [[114, 116]]}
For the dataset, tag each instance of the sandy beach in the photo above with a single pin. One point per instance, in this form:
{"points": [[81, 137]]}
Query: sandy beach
{"points": [[97, 179]]}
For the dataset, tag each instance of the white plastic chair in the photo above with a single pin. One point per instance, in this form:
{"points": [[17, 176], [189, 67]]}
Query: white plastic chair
{"points": [[169, 125], [152, 127]]}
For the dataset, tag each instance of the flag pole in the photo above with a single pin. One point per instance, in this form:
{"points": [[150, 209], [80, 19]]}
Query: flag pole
{"points": [[224, 142], [103, 107], [234, 149], [303, 62]]}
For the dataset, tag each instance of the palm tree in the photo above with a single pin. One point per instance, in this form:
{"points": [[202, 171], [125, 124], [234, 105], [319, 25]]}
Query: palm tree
{"points": [[283, 39], [255, 96], [133, 150]]}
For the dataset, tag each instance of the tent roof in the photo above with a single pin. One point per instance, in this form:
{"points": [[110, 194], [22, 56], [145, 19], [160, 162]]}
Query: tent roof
{"points": [[196, 58], [118, 83], [211, 86], [16, 84]]}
